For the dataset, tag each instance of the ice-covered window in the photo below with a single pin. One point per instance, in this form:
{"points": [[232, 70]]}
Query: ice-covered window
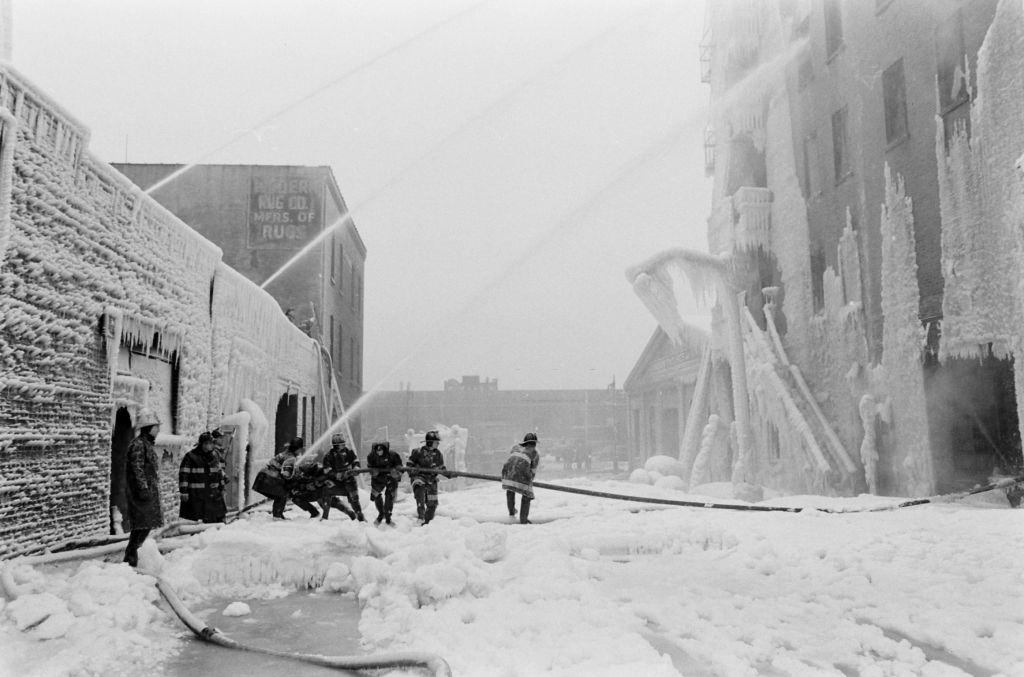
{"points": [[811, 176], [805, 72], [894, 95], [332, 336], [817, 284], [840, 144], [833, 27], [952, 77]]}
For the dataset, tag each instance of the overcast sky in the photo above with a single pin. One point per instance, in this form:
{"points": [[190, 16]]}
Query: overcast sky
{"points": [[505, 161]]}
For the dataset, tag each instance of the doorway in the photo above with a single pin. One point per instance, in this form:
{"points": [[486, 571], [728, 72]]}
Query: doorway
{"points": [[286, 421], [119, 441]]}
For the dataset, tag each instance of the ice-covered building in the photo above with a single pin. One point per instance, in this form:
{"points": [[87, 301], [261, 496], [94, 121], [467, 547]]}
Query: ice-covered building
{"points": [[262, 217], [865, 241], [109, 303]]}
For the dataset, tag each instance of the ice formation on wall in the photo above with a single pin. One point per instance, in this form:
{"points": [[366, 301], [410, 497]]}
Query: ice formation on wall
{"points": [[91, 267], [903, 339]]}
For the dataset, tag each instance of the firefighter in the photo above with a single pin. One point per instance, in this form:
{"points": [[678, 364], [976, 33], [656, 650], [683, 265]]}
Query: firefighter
{"points": [[517, 476], [143, 486], [340, 462], [385, 472], [201, 483], [424, 484], [284, 465]]}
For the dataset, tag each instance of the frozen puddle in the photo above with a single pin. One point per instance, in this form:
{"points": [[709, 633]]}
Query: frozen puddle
{"points": [[303, 622]]}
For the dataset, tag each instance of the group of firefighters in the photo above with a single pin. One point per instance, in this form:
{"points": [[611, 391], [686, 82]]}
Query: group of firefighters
{"points": [[334, 478], [202, 480]]}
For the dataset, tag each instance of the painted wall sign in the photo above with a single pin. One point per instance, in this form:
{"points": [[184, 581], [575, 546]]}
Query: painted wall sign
{"points": [[285, 211]]}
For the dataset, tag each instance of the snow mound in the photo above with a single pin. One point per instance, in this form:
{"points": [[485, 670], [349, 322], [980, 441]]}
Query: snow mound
{"points": [[671, 482], [639, 476], [236, 609], [665, 465]]}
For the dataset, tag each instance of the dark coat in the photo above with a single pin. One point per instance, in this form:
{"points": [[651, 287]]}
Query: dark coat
{"points": [[425, 457], [201, 485], [142, 489], [518, 471], [339, 460], [384, 469]]}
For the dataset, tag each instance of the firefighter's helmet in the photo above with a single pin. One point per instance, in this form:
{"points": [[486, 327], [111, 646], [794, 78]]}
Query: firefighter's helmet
{"points": [[146, 418], [432, 436]]}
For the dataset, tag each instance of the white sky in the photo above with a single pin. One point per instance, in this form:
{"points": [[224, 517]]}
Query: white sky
{"points": [[504, 168]]}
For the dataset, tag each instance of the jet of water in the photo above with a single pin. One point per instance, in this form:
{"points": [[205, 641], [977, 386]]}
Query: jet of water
{"points": [[319, 90]]}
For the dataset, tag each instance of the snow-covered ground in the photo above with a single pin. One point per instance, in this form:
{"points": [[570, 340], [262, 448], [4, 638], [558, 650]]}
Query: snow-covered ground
{"points": [[595, 587]]}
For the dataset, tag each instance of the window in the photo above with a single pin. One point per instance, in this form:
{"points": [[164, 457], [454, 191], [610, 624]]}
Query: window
{"points": [[810, 176], [951, 58], [352, 285], [805, 73], [341, 267], [333, 264], [952, 76], [351, 358], [817, 284], [332, 334], [840, 145], [833, 28], [894, 95], [339, 357]]}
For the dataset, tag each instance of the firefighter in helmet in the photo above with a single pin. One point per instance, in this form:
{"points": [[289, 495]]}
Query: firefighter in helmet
{"points": [[424, 484]]}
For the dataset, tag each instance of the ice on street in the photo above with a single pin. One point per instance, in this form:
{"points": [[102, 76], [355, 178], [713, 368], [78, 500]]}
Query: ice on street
{"points": [[601, 587]]}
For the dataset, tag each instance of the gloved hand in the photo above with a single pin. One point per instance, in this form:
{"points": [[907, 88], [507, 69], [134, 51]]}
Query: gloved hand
{"points": [[183, 497]]}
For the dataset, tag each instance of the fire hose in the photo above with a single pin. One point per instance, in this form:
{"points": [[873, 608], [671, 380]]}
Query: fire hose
{"points": [[433, 663], [1002, 483]]}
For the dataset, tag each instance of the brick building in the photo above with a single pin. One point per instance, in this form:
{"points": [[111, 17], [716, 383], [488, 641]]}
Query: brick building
{"points": [[866, 208], [261, 216], [496, 418], [109, 303]]}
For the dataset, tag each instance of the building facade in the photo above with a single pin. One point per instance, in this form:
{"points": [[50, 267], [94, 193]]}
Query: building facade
{"points": [[108, 304], [496, 419], [659, 394], [261, 217], [866, 218]]}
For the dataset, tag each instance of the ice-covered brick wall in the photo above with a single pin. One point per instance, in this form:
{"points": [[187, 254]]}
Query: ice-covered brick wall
{"points": [[89, 263]]}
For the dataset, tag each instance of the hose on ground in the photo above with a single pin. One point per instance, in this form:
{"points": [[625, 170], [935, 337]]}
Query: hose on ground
{"points": [[432, 662], [1003, 483]]}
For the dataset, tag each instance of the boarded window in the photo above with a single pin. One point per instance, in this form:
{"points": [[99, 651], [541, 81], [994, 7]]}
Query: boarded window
{"points": [[833, 27], [840, 144], [894, 94]]}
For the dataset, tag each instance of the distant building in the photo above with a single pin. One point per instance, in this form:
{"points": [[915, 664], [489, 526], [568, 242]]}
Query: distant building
{"points": [[867, 208], [496, 419], [261, 216]]}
